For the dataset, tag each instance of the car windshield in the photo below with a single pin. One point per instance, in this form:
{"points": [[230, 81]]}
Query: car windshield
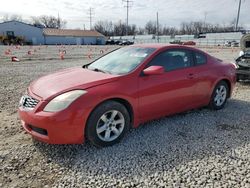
{"points": [[121, 61]]}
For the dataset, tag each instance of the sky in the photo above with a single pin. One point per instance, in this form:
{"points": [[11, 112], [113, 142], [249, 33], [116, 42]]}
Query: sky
{"points": [[171, 12]]}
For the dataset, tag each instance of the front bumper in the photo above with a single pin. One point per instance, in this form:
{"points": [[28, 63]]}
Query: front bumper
{"points": [[243, 72], [53, 128], [243, 67]]}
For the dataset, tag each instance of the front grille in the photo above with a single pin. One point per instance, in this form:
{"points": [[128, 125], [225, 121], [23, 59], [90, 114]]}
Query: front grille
{"points": [[28, 102]]}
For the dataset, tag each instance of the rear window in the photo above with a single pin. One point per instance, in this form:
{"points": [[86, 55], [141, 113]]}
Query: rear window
{"points": [[200, 58]]}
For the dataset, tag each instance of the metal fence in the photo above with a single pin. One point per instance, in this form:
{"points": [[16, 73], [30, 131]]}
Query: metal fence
{"points": [[209, 41], [200, 42]]}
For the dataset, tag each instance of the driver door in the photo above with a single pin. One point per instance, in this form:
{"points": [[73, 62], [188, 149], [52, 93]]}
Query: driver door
{"points": [[170, 92]]}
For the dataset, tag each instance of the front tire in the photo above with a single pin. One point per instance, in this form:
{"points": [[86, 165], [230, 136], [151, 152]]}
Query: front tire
{"points": [[107, 124], [219, 96]]}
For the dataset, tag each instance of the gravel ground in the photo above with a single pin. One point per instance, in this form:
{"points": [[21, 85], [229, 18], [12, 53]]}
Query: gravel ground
{"points": [[199, 148]]}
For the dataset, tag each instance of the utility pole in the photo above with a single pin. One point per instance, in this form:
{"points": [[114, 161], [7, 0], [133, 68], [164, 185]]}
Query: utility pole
{"points": [[238, 15], [127, 6], [157, 26], [205, 19], [90, 13], [58, 21]]}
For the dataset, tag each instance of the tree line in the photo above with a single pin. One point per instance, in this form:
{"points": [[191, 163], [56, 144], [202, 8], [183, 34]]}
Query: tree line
{"points": [[108, 28], [39, 21]]}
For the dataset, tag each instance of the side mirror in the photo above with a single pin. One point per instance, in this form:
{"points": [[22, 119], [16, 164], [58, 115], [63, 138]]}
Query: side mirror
{"points": [[154, 70]]}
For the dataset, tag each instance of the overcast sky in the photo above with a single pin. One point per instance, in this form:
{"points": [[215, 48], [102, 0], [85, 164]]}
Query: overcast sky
{"points": [[171, 12]]}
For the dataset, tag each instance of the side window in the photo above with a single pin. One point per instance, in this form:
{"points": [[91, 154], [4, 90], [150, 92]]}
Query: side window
{"points": [[173, 59], [200, 59]]}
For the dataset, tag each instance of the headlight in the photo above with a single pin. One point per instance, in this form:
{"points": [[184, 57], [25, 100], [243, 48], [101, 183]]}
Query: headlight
{"points": [[63, 101], [235, 64]]}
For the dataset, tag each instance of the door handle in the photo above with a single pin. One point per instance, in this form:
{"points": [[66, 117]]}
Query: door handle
{"points": [[190, 75]]}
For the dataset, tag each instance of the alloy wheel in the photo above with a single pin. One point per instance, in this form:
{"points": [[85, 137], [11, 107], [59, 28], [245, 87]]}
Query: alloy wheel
{"points": [[110, 125], [220, 95]]}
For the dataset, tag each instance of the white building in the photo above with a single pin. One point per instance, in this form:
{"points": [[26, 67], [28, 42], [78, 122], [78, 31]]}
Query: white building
{"points": [[69, 36], [36, 35]]}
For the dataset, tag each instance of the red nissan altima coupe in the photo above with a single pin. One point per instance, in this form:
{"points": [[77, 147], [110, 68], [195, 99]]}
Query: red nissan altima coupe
{"points": [[102, 100]]}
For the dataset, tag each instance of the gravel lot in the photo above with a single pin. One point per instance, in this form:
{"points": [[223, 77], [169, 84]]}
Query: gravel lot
{"points": [[200, 148]]}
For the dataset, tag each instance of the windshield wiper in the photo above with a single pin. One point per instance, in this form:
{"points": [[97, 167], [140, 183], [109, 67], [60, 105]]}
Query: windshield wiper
{"points": [[99, 70], [85, 66]]}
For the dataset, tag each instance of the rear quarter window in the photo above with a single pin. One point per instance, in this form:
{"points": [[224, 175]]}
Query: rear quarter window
{"points": [[200, 59]]}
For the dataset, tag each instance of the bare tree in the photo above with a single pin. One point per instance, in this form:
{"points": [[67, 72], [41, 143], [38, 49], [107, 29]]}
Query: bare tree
{"points": [[120, 29], [132, 29], [108, 28], [49, 21], [150, 27], [105, 27], [14, 17], [35, 21], [169, 31], [191, 28], [141, 31]]}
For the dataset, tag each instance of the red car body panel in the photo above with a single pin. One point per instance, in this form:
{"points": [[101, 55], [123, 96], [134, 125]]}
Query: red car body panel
{"points": [[68, 79], [149, 97]]}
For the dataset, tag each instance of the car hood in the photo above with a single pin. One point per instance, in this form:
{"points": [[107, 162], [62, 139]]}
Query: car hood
{"points": [[68, 79]]}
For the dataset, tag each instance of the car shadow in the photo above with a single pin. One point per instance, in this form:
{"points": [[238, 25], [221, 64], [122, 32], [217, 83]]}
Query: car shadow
{"points": [[162, 144]]}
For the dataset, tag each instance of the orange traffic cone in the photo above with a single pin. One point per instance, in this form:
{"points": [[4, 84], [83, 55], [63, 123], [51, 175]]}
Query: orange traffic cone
{"points": [[61, 55], [89, 56], [14, 59], [7, 52]]}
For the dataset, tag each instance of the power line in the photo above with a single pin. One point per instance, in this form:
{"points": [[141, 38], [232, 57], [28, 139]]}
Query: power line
{"points": [[127, 6], [238, 15], [90, 13]]}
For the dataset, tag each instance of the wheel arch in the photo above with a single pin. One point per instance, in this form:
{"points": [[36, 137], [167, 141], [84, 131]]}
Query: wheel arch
{"points": [[227, 81], [229, 86], [128, 106], [122, 101]]}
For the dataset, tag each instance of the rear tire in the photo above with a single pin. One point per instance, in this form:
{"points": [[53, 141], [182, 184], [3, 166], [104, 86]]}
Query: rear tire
{"points": [[107, 124], [219, 96]]}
